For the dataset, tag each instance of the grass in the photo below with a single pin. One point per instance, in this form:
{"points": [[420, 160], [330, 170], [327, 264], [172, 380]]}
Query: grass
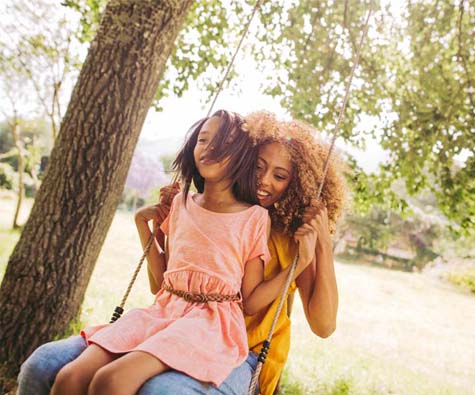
{"points": [[8, 240], [398, 333], [464, 278]]}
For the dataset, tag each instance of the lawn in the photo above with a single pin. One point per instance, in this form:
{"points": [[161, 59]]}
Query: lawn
{"points": [[398, 333]]}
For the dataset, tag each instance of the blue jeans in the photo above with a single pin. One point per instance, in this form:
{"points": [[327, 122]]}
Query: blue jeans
{"points": [[38, 372]]}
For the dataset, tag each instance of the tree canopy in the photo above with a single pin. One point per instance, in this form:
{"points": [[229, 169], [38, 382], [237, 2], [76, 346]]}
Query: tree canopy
{"points": [[413, 92]]}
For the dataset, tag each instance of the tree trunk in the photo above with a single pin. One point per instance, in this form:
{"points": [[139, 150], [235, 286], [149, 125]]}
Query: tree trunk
{"points": [[51, 265]]}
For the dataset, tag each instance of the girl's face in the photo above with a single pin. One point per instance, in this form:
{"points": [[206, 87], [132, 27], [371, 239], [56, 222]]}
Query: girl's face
{"points": [[210, 170], [274, 172]]}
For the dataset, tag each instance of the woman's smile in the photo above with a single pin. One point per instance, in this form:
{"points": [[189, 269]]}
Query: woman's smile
{"points": [[274, 172], [264, 197]]}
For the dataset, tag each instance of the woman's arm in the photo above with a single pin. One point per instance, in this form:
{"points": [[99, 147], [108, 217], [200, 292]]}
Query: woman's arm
{"points": [[317, 283]]}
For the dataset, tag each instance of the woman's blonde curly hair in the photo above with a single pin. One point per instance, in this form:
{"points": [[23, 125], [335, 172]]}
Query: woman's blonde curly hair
{"points": [[307, 155]]}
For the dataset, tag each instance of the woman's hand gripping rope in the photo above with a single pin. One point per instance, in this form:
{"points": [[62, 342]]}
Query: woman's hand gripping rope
{"points": [[314, 230]]}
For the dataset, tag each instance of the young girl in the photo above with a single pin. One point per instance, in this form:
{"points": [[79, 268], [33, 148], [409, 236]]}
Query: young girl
{"points": [[216, 247]]}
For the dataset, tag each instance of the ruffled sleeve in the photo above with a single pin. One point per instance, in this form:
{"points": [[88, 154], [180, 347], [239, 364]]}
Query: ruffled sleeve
{"points": [[165, 226], [259, 237]]}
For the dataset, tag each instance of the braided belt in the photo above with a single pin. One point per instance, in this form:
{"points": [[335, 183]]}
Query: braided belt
{"points": [[195, 297]]}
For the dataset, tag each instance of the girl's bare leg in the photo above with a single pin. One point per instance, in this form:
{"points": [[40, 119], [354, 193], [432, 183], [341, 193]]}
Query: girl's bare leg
{"points": [[125, 375], [75, 377]]}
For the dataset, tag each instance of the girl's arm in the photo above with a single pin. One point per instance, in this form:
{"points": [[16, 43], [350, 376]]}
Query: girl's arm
{"points": [[317, 283], [258, 293], [156, 261], [157, 253]]}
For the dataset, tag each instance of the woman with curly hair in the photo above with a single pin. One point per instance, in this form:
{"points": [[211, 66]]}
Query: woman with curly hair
{"points": [[289, 169]]}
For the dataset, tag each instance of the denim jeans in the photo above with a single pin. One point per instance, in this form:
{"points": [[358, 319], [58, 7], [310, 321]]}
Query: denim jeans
{"points": [[38, 372]]}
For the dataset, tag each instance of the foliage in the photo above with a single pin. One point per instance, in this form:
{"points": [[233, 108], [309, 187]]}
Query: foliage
{"points": [[38, 43], [455, 247], [434, 99], [372, 190], [36, 141], [202, 50], [342, 387], [6, 140], [414, 89], [7, 175], [400, 240], [90, 16]]}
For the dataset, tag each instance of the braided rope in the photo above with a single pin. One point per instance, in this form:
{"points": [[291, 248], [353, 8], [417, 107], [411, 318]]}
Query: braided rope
{"points": [[220, 88], [343, 106], [120, 309], [266, 345], [267, 342]]}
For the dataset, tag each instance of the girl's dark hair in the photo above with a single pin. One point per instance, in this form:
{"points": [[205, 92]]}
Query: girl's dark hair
{"points": [[230, 142]]}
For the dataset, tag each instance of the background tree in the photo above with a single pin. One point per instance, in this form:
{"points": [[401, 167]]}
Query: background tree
{"points": [[434, 97], [49, 269], [41, 38], [14, 88]]}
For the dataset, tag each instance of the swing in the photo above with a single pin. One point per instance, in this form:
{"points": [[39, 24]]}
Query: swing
{"points": [[267, 343]]}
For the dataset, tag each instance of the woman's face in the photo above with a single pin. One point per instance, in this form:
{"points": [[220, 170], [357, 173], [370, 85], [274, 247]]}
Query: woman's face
{"points": [[274, 172]]}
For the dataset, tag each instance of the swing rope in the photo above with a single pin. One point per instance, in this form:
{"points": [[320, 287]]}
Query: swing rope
{"points": [[220, 88], [120, 309], [266, 344]]}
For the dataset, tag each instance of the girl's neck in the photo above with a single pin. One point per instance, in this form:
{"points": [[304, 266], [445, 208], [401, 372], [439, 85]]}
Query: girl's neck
{"points": [[219, 197]]}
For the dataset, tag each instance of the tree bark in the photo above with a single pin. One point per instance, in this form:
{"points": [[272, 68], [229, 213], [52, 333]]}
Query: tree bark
{"points": [[51, 265]]}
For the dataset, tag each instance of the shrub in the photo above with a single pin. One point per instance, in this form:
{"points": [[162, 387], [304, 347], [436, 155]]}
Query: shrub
{"points": [[463, 279], [7, 175]]}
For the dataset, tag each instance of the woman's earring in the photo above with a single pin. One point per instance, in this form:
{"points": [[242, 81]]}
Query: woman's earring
{"points": [[276, 205]]}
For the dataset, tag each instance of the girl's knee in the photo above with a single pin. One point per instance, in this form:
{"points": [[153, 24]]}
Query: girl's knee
{"points": [[70, 380], [106, 381]]}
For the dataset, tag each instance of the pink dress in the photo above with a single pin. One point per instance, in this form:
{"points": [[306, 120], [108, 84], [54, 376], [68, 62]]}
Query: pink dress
{"points": [[207, 254]]}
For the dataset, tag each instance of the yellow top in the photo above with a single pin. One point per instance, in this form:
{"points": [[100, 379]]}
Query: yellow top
{"points": [[282, 249]]}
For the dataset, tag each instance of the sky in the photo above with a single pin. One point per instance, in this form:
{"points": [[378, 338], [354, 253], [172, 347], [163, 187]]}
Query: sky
{"points": [[168, 128]]}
